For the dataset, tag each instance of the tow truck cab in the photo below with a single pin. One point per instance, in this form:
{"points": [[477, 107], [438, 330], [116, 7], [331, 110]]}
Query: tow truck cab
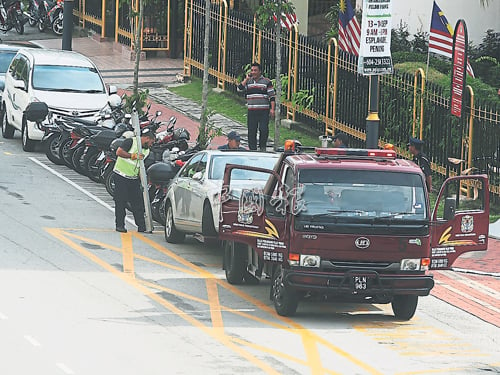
{"points": [[349, 225]]}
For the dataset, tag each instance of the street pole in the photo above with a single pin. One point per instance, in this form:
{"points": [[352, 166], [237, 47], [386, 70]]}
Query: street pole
{"points": [[142, 172], [373, 121], [67, 25]]}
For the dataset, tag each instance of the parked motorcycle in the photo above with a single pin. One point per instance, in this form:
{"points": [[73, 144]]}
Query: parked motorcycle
{"points": [[33, 12], [11, 16], [50, 14]]}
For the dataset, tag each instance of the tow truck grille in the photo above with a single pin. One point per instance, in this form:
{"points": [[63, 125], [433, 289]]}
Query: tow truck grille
{"points": [[339, 264]]}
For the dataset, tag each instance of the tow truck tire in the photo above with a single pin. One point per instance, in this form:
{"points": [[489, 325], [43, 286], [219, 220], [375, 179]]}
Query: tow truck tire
{"points": [[172, 235], [404, 306], [234, 262], [285, 299]]}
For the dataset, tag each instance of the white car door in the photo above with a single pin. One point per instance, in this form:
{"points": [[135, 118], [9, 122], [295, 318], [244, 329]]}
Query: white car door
{"points": [[182, 195], [20, 96]]}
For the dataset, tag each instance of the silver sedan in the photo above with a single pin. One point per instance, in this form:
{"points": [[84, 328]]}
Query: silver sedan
{"points": [[192, 203]]}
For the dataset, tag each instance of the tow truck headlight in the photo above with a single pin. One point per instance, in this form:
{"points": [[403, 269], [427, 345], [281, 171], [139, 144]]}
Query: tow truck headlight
{"points": [[310, 260], [417, 264]]}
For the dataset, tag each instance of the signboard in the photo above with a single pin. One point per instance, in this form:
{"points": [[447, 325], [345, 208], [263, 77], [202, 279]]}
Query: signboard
{"points": [[375, 50], [459, 68]]}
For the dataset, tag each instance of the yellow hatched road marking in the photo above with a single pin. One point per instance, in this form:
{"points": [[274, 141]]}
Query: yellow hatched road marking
{"points": [[309, 339]]}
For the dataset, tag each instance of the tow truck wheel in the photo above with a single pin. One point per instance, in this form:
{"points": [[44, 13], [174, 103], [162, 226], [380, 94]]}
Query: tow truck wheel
{"points": [[404, 306], [234, 262], [285, 298]]}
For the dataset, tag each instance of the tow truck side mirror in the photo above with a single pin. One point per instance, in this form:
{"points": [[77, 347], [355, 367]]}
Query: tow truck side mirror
{"points": [[450, 206]]}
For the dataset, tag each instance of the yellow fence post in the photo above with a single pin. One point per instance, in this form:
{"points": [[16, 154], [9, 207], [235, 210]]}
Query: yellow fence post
{"points": [[103, 12], [188, 34], [117, 26], [256, 42], [293, 70], [419, 72], [221, 62], [331, 87], [467, 142]]}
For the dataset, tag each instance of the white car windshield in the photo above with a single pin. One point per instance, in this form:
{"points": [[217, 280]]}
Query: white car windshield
{"points": [[67, 78], [263, 161], [360, 194]]}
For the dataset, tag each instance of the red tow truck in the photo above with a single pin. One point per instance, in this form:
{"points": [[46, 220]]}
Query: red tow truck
{"points": [[349, 225]]}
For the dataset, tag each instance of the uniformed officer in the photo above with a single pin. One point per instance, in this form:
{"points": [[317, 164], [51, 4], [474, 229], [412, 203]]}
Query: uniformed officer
{"points": [[340, 140], [415, 147], [127, 183]]}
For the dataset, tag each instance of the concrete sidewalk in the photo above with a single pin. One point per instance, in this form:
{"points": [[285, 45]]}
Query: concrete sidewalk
{"points": [[158, 73]]}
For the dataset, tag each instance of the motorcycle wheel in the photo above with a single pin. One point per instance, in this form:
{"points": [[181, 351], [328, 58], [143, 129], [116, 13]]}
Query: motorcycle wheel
{"points": [[42, 25], [32, 17], [77, 160], [51, 146], [109, 182], [66, 153], [57, 25], [19, 24], [91, 166]]}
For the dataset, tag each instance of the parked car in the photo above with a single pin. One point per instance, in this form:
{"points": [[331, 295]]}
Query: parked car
{"points": [[192, 203], [7, 53], [67, 81]]}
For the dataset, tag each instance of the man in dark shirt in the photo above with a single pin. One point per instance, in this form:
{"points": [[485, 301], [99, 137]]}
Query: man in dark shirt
{"points": [[233, 142], [415, 148]]}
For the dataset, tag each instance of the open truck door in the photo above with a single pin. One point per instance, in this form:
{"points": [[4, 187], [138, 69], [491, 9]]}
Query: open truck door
{"points": [[460, 220], [253, 222]]}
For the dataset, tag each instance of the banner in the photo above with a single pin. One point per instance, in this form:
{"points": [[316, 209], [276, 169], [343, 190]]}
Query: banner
{"points": [[375, 51], [459, 67]]}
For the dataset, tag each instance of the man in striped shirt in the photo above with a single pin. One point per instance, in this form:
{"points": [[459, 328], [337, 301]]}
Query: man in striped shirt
{"points": [[260, 97]]}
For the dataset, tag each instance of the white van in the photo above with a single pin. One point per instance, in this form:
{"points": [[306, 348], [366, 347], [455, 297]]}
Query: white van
{"points": [[67, 81]]}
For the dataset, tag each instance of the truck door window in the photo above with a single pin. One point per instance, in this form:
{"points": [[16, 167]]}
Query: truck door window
{"points": [[466, 194]]}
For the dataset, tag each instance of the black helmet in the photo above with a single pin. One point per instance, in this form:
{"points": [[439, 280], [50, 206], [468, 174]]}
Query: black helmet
{"points": [[181, 133], [120, 129]]}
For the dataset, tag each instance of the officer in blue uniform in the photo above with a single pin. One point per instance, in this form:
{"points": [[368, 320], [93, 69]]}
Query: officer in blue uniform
{"points": [[415, 147]]}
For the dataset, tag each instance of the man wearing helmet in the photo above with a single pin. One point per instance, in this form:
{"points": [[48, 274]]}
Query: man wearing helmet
{"points": [[126, 177]]}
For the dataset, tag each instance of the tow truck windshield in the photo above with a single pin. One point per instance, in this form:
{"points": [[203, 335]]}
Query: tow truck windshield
{"points": [[359, 195]]}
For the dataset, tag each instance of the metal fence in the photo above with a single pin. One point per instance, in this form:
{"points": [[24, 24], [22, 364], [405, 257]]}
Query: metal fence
{"points": [[110, 17], [409, 106]]}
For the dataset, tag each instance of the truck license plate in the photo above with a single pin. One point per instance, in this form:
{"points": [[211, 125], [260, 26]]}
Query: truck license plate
{"points": [[360, 282]]}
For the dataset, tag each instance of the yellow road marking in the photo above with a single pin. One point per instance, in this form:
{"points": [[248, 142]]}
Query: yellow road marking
{"points": [[310, 340], [215, 307], [224, 339], [128, 254]]}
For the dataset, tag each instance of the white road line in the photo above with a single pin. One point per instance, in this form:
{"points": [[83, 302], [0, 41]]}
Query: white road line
{"points": [[87, 193], [31, 340], [65, 368]]}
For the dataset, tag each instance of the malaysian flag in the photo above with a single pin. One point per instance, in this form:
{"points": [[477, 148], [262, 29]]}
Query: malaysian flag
{"points": [[441, 36], [287, 20], [349, 29]]}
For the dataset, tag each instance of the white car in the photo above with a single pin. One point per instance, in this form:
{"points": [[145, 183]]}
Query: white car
{"points": [[192, 204], [68, 82]]}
